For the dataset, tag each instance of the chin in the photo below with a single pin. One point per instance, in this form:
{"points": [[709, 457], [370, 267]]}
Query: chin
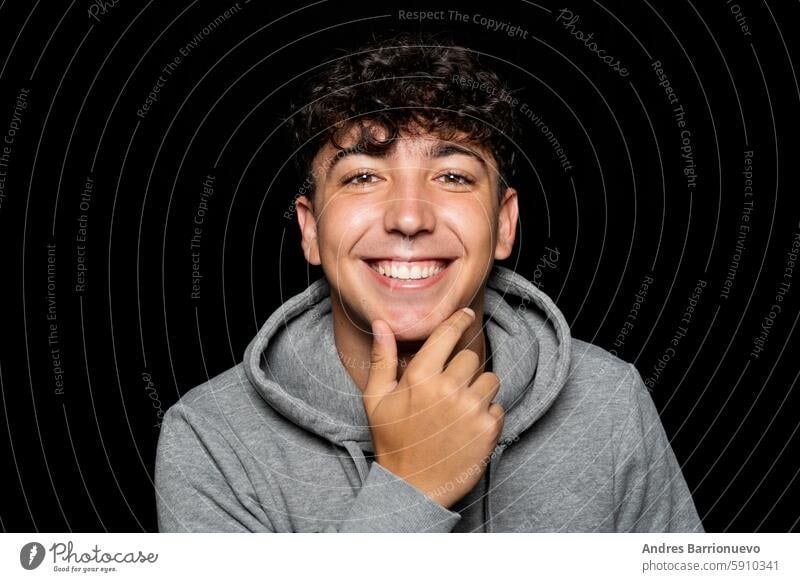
{"points": [[408, 328]]}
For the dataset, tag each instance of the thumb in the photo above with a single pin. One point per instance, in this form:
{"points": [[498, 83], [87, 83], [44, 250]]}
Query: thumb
{"points": [[383, 364]]}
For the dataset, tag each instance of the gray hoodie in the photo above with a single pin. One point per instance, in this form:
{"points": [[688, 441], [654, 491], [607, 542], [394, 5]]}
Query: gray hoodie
{"points": [[281, 442]]}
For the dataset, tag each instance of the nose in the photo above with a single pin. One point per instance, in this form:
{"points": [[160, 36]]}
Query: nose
{"points": [[409, 211]]}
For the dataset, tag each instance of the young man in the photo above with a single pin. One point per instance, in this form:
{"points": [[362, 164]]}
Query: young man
{"points": [[417, 386]]}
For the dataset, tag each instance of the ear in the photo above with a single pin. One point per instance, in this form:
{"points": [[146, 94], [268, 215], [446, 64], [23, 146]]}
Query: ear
{"points": [[308, 229], [506, 224]]}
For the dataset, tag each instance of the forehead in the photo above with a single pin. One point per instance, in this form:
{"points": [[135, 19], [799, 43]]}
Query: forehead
{"points": [[412, 142]]}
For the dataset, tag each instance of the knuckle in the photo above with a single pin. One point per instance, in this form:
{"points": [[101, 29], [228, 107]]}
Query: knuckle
{"points": [[450, 327], [487, 424], [448, 386], [412, 377], [472, 401], [498, 430], [458, 322]]}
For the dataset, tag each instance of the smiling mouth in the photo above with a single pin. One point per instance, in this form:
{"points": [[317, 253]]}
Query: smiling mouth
{"points": [[408, 270]]}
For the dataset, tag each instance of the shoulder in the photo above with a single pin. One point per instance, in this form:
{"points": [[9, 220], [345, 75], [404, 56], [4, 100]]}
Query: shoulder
{"points": [[224, 387], [216, 402], [605, 382], [589, 363], [601, 382]]}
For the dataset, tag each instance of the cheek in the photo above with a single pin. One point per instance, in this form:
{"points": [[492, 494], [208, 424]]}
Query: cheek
{"points": [[340, 228], [472, 222]]}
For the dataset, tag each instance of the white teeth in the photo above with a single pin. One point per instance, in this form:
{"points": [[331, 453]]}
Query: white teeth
{"points": [[404, 272]]}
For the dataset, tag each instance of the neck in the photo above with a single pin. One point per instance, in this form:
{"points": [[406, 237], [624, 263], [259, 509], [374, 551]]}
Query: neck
{"points": [[354, 345]]}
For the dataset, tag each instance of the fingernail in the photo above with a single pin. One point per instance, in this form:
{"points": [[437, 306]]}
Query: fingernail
{"points": [[469, 312]]}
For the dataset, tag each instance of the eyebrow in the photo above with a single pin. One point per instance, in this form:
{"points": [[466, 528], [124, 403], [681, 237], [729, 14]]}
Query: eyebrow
{"points": [[439, 150]]}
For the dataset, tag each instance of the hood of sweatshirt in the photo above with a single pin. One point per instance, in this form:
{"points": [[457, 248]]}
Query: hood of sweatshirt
{"points": [[294, 364]]}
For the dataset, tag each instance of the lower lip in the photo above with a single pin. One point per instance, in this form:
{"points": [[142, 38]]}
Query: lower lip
{"points": [[407, 284]]}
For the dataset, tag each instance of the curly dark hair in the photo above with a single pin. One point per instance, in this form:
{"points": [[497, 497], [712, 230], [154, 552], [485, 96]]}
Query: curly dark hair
{"points": [[402, 84]]}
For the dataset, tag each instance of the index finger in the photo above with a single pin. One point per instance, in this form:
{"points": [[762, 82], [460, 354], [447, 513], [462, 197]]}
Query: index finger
{"points": [[432, 356]]}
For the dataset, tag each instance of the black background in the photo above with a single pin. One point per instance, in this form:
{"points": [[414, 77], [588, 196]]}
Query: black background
{"points": [[80, 458]]}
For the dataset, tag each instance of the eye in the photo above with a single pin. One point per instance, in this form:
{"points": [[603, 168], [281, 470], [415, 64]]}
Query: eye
{"points": [[452, 177], [359, 178]]}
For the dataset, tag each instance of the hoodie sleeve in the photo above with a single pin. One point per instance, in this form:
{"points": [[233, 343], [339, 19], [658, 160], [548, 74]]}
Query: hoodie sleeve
{"points": [[650, 493], [388, 503], [200, 484]]}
